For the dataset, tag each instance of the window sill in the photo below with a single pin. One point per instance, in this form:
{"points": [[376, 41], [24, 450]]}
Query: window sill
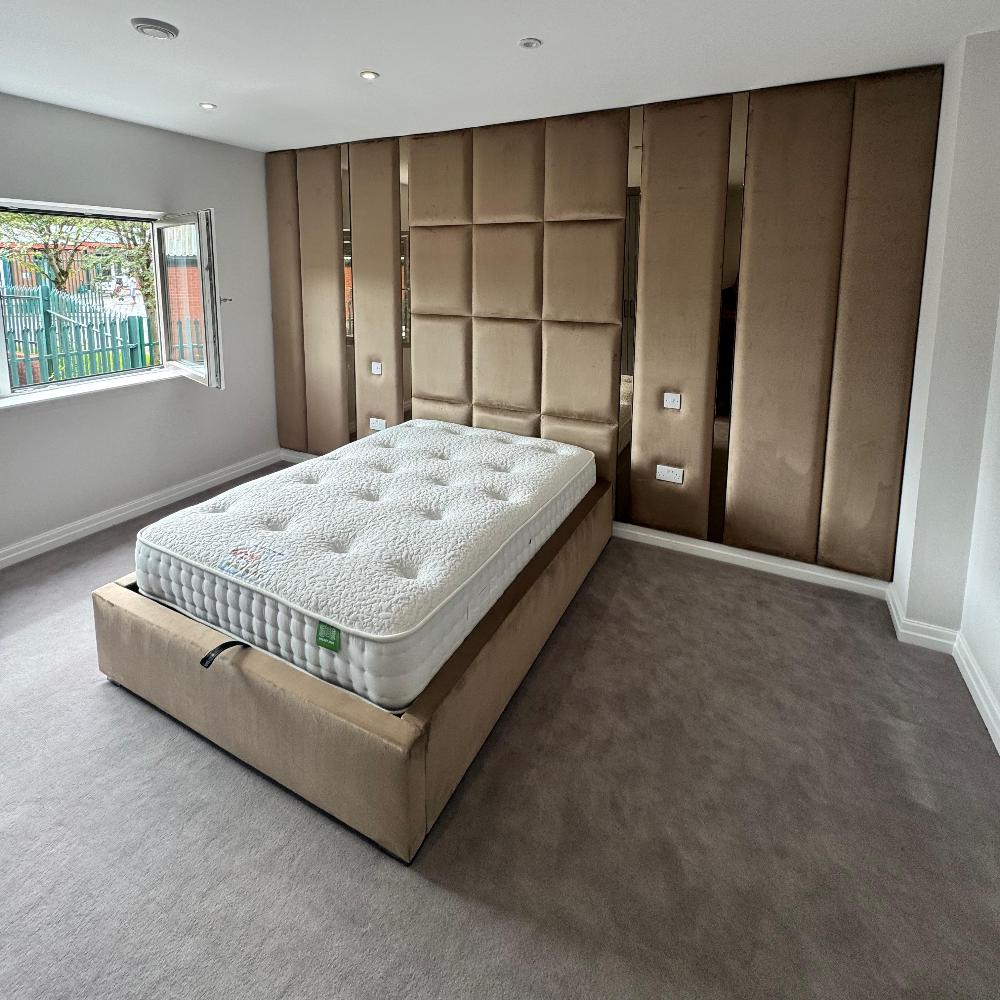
{"points": [[86, 387]]}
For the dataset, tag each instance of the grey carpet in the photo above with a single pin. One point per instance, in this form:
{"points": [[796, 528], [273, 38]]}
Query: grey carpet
{"points": [[714, 783]]}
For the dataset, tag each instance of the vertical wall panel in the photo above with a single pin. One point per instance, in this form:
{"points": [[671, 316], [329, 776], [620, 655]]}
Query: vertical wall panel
{"points": [[796, 177], [375, 242], [286, 300], [321, 243], [885, 230], [685, 161], [440, 186], [586, 177]]}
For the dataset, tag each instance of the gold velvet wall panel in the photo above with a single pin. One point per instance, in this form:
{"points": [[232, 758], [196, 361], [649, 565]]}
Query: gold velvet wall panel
{"points": [[685, 159], [286, 299], [374, 173], [888, 200], [516, 257], [321, 244], [798, 146], [515, 273]]}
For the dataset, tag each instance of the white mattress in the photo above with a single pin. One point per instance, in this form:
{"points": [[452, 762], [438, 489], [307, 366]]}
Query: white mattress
{"points": [[368, 566]]}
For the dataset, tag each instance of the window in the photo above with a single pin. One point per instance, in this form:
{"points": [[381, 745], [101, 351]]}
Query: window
{"points": [[84, 296]]}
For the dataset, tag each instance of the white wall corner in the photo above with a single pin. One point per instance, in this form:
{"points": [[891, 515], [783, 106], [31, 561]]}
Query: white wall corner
{"points": [[979, 687], [914, 632]]}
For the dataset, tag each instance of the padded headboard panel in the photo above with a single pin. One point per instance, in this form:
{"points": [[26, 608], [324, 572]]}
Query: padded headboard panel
{"points": [[798, 145], [516, 257], [321, 225], [305, 227], [685, 161], [885, 230], [374, 168], [286, 299]]}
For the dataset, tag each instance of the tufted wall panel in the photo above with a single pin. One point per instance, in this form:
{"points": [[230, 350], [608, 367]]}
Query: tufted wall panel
{"points": [[374, 168], [507, 270], [321, 226], [685, 163], [286, 299], [798, 146], [888, 200], [508, 171], [511, 268], [440, 192], [586, 166]]}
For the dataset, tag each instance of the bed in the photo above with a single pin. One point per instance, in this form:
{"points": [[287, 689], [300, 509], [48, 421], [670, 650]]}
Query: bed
{"points": [[370, 612]]}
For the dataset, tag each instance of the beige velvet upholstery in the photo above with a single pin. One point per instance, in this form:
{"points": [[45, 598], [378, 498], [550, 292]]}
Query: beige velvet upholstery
{"points": [[387, 776], [507, 270], [796, 177], [508, 171], [507, 364], [888, 199], [581, 362], [586, 166], [442, 409], [583, 271], [376, 275], [321, 224], [442, 357], [512, 421], [440, 179], [441, 270], [286, 300], [685, 160]]}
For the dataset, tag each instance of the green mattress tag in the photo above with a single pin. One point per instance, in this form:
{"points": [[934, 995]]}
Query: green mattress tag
{"points": [[327, 636]]}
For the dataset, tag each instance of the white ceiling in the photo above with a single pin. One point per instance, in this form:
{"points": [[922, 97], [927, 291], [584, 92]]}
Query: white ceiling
{"points": [[285, 74]]}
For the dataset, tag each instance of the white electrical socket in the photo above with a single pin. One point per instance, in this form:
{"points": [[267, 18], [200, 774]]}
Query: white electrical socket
{"points": [[670, 474], [376, 424], [671, 400], [376, 368]]}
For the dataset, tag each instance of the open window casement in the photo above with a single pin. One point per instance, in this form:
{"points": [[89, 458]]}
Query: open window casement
{"points": [[188, 296]]}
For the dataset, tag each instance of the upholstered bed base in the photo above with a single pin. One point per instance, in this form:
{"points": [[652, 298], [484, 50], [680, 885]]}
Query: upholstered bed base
{"points": [[387, 776]]}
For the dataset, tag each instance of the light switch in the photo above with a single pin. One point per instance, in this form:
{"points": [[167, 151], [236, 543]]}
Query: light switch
{"points": [[670, 474], [671, 400], [376, 368], [376, 424]]}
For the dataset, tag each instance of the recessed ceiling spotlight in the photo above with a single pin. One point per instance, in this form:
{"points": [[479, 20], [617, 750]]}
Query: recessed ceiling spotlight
{"points": [[207, 105], [368, 74], [152, 28], [530, 43]]}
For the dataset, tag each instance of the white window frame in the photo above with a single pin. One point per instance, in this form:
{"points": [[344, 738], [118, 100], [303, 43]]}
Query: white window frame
{"points": [[204, 219]]}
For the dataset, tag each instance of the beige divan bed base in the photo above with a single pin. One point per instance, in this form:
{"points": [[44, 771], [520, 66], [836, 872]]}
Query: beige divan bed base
{"points": [[388, 776]]}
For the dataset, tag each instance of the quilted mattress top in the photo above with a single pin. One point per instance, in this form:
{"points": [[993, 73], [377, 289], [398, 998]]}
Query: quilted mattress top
{"points": [[374, 537]]}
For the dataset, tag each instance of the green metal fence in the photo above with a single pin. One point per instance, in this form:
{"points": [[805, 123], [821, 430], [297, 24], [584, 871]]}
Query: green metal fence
{"points": [[52, 336]]}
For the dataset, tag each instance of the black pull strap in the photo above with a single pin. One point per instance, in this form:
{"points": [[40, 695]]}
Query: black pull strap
{"points": [[209, 658]]}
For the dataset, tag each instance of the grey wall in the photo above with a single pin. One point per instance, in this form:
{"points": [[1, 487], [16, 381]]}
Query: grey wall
{"points": [[65, 459], [981, 618], [955, 343]]}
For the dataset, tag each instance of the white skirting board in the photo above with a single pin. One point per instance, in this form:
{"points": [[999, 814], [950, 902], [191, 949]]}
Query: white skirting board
{"points": [[908, 630], [37, 544], [752, 560], [982, 694]]}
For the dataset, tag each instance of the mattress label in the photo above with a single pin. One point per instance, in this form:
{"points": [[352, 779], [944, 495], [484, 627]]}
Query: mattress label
{"points": [[251, 561], [327, 636]]}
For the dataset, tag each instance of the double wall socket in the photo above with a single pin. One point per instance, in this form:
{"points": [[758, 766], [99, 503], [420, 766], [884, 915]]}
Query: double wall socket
{"points": [[671, 401], [670, 474], [376, 424]]}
